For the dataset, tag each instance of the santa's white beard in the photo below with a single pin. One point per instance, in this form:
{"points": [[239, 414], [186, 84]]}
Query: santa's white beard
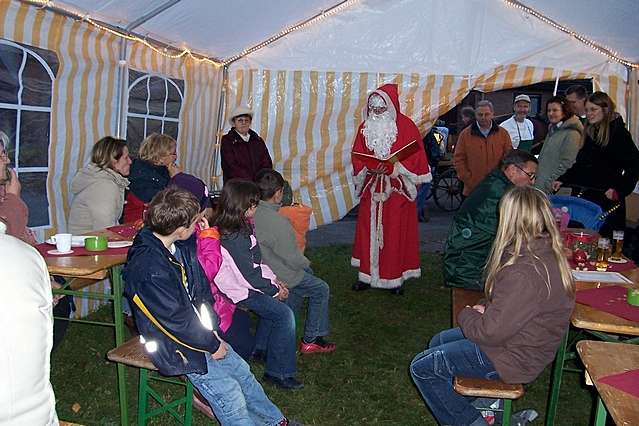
{"points": [[380, 133]]}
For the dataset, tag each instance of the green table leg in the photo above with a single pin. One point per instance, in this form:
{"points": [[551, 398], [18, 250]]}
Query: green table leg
{"points": [[555, 381], [116, 283], [600, 416], [508, 410]]}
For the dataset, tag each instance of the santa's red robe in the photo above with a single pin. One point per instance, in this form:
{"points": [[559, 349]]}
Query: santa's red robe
{"points": [[386, 247]]}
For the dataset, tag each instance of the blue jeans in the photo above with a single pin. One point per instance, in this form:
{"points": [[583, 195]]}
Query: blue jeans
{"points": [[276, 329], [318, 293], [233, 393], [420, 200], [450, 354]]}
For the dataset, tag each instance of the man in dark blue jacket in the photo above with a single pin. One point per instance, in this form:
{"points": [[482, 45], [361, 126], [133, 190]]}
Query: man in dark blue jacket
{"points": [[172, 305]]}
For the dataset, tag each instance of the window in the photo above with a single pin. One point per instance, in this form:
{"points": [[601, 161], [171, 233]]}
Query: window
{"points": [[26, 79], [154, 106]]}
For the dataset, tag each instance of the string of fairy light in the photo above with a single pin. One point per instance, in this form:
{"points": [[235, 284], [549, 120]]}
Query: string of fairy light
{"points": [[186, 51], [604, 50]]}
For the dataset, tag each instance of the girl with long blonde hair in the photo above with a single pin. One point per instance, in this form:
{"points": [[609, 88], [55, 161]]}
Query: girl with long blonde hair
{"points": [[514, 334]]}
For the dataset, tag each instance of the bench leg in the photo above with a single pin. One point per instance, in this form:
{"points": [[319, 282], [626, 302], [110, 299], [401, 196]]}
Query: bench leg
{"points": [[188, 404], [555, 381], [143, 396], [508, 410], [601, 414]]}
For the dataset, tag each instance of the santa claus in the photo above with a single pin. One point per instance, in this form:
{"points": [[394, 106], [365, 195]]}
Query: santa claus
{"points": [[389, 162]]}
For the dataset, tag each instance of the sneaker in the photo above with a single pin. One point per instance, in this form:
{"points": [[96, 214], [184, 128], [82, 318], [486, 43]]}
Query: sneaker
{"points": [[523, 417], [360, 286], [287, 422], [319, 345], [287, 383]]}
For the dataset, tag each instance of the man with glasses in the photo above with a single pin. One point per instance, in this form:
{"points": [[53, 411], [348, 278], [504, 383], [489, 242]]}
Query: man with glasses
{"points": [[475, 224], [243, 151]]}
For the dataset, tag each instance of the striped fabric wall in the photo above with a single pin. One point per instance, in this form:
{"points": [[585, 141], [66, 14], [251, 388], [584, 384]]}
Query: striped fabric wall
{"points": [[198, 116], [84, 100], [308, 118]]}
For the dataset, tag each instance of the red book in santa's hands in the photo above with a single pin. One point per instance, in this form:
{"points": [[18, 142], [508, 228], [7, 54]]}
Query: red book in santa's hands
{"points": [[371, 162]]}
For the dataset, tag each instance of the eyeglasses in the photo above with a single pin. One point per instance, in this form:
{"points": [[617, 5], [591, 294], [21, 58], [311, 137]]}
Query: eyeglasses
{"points": [[531, 176], [243, 120]]}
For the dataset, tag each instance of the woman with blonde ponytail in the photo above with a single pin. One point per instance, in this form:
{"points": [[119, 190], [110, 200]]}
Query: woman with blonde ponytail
{"points": [[515, 333]]}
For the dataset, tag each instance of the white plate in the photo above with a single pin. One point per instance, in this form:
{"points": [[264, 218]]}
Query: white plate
{"points": [[617, 260], [59, 253], [76, 240], [120, 244]]}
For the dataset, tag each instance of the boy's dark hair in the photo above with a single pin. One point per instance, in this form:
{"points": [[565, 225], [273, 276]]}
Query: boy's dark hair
{"points": [[578, 90], [269, 181], [517, 157], [238, 195], [171, 208]]}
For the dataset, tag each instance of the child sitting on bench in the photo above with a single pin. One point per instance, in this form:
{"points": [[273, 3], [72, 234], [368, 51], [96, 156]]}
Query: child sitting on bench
{"points": [[172, 303], [530, 295]]}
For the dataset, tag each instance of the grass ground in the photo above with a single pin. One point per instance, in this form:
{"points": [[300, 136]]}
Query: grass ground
{"points": [[365, 382]]}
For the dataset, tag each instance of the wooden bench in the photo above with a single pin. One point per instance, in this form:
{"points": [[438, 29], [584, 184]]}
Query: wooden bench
{"points": [[133, 354], [482, 388]]}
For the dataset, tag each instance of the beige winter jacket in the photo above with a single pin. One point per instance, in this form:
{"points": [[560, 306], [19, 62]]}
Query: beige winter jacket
{"points": [[98, 199]]}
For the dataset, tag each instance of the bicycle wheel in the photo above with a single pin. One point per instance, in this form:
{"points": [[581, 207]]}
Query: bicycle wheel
{"points": [[447, 191]]}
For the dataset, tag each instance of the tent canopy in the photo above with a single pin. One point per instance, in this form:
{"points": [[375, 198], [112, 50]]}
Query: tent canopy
{"points": [[222, 29], [307, 88]]}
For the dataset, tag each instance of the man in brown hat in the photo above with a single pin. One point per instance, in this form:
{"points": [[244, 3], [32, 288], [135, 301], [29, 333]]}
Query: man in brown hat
{"points": [[243, 151]]}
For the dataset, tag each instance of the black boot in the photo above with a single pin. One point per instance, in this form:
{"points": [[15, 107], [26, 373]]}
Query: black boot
{"points": [[360, 286], [397, 291]]}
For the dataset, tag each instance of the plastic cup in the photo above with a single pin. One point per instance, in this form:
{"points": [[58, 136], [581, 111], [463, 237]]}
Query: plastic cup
{"points": [[98, 243]]}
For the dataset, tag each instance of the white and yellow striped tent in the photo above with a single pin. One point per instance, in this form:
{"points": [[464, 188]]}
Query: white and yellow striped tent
{"points": [[304, 69]]}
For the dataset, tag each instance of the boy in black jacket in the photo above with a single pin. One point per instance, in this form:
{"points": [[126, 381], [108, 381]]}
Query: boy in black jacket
{"points": [[172, 303]]}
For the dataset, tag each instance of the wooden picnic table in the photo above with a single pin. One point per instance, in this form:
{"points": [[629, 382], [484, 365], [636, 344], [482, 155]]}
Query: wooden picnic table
{"points": [[596, 356], [83, 271]]}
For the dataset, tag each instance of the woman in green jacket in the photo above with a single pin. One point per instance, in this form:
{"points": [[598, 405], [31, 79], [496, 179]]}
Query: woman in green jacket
{"points": [[562, 144]]}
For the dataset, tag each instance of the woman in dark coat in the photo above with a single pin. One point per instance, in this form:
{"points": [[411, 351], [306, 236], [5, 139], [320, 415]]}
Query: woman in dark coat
{"points": [[243, 151], [150, 173], [607, 166]]}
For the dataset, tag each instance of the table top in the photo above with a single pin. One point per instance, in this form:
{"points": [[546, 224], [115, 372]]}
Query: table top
{"points": [[623, 408], [589, 318], [94, 267]]}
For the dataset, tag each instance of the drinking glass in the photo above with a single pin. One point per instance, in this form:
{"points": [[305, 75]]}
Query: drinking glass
{"points": [[617, 237], [603, 253]]}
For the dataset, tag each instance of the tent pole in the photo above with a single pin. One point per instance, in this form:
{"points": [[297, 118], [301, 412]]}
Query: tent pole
{"points": [[121, 85], [629, 118], [215, 178], [554, 92]]}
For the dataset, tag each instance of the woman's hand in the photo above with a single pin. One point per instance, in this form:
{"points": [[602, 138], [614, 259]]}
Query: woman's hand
{"points": [[13, 186], [556, 185], [611, 194], [56, 297]]}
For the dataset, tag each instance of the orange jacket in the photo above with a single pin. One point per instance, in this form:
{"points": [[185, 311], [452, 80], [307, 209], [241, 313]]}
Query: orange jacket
{"points": [[475, 155]]}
